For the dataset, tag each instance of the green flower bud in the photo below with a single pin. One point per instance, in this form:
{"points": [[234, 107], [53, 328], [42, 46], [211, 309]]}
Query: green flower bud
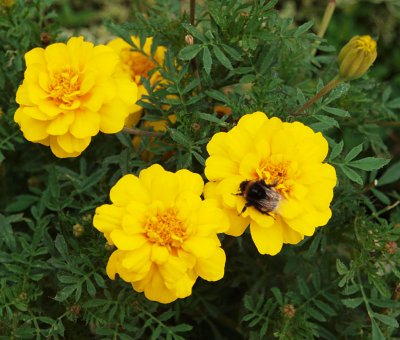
{"points": [[356, 57]]}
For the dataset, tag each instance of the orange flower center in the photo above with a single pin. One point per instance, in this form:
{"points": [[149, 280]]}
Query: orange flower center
{"points": [[65, 88], [274, 174], [136, 64], [165, 228], [366, 44]]}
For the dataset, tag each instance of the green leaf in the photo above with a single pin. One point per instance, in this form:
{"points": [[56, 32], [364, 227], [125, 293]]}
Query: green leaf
{"points": [[376, 331], [61, 246], [222, 57], [394, 104], [193, 31], [189, 52], [387, 320], [217, 95], [315, 314], [212, 118], [351, 174], [381, 196], [65, 293], [352, 302], [179, 137], [21, 203], [303, 28], [336, 150], [369, 163], [392, 174], [207, 61], [278, 295], [353, 153], [336, 112], [6, 233], [325, 307], [341, 267]]}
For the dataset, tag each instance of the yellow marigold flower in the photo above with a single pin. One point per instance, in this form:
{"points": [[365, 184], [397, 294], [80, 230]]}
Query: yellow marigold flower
{"points": [[71, 92], [270, 174], [165, 234], [356, 57], [138, 65]]}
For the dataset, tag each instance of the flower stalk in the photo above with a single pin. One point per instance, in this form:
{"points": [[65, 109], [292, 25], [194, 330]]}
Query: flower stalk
{"points": [[330, 8], [325, 90]]}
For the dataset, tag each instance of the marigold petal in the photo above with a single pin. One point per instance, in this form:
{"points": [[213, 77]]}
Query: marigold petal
{"points": [[108, 217], [57, 57], [267, 240], [159, 254], [127, 189], [218, 167], [113, 116], [200, 246], [252, 122], [213, 267], [126, 241], [189, 181], [157, 291], [33, 129], [112, 264], [85, 124], [138, 260], [105, 59], [60, 125]]}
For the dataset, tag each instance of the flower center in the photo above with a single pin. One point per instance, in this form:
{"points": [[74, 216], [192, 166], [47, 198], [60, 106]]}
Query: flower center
{"points": [[165, 228], [136, 64], [276, 174], [366, 44], [64, 87]]}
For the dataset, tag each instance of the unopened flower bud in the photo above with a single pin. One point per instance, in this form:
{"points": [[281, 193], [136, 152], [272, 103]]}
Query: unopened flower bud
{"points": [[45, 38], [189, 39], [23, 296], [289, 311], [77, 230], [356, 57], [75, 309], [196, 126], [391, 247], [109, 246]]}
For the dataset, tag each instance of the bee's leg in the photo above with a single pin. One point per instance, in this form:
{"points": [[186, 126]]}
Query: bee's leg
{"points": [[243, 210], [273, 216]]}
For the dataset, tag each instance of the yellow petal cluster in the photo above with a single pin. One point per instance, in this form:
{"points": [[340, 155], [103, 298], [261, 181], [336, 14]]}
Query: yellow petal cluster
{"points": [[165, 234], [356, 57], [71, 92], [139, 64], [288, 156]]}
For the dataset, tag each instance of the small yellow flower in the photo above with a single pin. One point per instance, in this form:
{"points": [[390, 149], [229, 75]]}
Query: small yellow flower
{"points": [[139, 65], [285, 158], [356, 57], [165, 234], [71, 92]]}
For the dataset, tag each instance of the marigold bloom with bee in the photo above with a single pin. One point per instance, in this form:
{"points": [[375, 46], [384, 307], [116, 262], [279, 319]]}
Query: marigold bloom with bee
{"points": [[71, 92], [270, 175], [356, 57], [165, 234], [139, 64]]}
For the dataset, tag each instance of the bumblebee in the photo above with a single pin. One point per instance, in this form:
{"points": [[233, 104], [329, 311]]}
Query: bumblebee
{"points": [[263, 197]]}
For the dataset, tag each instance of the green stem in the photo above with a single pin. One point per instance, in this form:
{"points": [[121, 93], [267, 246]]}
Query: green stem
{"points": [[139, 132], [330, 8], [192, 11], [326, 89]]}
